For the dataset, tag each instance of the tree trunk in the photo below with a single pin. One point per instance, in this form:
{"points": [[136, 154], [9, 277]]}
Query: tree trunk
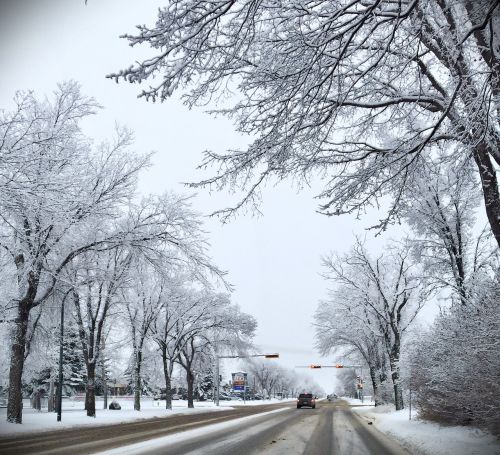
{"points": [[15, 401], [396, 381], [375, 385], [489, 184], [51, 402], [190, 383], [137, 381], [168, 380], [168, 391], [90, 395]]}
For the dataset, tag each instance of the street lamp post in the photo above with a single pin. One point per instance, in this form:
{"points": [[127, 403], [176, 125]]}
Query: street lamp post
{"points": [[217, 381], [61, 341]]}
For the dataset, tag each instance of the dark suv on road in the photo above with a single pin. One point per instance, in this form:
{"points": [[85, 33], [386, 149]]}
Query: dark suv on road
{"points": [[306, 399]]}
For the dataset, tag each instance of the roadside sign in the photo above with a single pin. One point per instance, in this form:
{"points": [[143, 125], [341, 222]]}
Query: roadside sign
{"points": [[239, 381]]}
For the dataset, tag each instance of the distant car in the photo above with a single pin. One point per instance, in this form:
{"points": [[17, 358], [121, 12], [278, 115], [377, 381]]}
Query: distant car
{"points": [[175, 396], [225, 397], [306, 399]]}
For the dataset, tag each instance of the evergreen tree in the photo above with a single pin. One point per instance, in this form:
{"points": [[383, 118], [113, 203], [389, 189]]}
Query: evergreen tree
{"points": [[74, 371], [205, 384]]}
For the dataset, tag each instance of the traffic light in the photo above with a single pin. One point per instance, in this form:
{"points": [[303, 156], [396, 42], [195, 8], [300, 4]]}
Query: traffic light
{"points": [[314, 366], [272, 356], [339, 365]]}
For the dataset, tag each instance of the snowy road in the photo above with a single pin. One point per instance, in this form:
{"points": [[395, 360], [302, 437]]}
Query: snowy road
{"points": [[93, 439], [331, 428]]}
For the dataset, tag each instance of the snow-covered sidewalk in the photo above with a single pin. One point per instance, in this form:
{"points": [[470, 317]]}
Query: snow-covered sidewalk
{"points": [[74, 415], [428, 438]]}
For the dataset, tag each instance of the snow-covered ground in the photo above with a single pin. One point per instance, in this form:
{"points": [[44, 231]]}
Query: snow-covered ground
{"points": [[427, 438], [74, 414]]}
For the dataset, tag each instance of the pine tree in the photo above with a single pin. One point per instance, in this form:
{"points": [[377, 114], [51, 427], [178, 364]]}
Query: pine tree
{"points": [[205, 384], [74, 371]]}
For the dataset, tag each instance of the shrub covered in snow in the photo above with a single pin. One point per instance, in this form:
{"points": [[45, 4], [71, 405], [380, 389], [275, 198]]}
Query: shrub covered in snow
{"points": [[456, 366]]}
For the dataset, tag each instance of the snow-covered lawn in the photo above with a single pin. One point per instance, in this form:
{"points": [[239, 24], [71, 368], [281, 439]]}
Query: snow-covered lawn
{"points": [[73, 414], [428, 438]]}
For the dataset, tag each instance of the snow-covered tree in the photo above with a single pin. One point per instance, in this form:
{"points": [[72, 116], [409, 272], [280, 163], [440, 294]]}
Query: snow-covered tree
{"points": [[74, 371], [347, 381], [455, 364], [354, 92], [192, 354], [172, 327], [385, 294], [63, 199], [219, 325], [348, 329], [54, 187], [195, 321], [94, 289], [143, 303], [265, 373], [441, 210], [204, 383]]}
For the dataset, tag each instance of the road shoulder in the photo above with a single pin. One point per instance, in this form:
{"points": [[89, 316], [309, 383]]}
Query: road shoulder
{"points": [[428, 438]]}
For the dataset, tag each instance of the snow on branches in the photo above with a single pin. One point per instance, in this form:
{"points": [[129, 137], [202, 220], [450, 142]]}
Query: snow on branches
{"points": [[352, 92], [70, 220], [370, 309]]}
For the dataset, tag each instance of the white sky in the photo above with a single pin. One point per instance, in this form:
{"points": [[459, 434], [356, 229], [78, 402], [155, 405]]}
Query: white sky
{"points": [[274, 260]]}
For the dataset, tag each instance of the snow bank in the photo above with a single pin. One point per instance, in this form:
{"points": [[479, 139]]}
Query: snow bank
{"points": [[428, 438], [74, 415]]}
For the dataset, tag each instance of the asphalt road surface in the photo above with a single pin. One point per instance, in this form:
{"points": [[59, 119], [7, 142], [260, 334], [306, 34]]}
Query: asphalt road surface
{"points": [[331, 428]]}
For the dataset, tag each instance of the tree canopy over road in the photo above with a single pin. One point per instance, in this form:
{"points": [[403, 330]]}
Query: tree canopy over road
{"points": [[355, 92]]}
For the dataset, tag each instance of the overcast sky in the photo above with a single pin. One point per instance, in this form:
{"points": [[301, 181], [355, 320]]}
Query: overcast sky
{"points": [[273, 260]]}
